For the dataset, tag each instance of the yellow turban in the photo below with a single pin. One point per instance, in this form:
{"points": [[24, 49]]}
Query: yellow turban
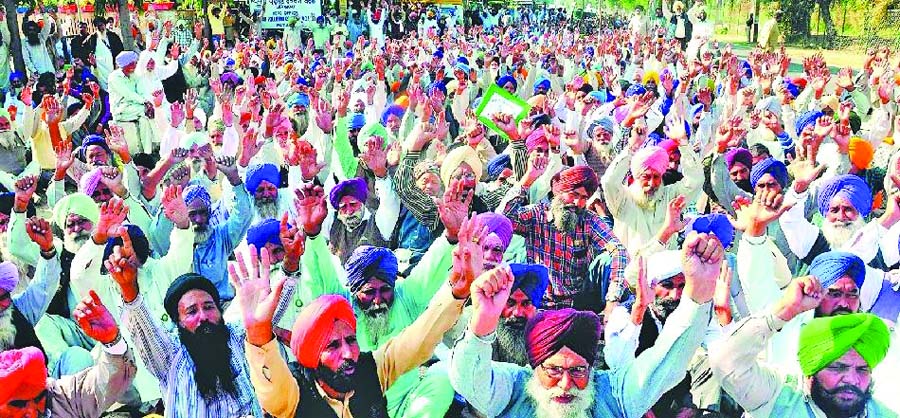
{"points": [[455, 158]]}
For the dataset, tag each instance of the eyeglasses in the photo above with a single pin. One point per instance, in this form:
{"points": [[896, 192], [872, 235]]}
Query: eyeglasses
{"points": [[556, 372]]}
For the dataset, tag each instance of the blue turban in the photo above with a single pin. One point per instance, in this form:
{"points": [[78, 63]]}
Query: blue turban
{"points": [[605, 123], [194, 192], [791, 87], [438, 53], [438, 85], [850, 187], [635, 89], [542, 83], [367, 262], [259, 172], [830, 266], [496, 165], [303, 81], [16, 75], [93, 140], [716, 224], [353, 187], [302, 99], [264, 232], [598, 95], [462, 60], [532, 279], [507, 79], [357, 121], [769, 166], [462, 67], [807, 119], [395, 110]]}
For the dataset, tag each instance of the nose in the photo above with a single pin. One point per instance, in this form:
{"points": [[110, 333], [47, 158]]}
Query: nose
{"points": [[565, 382], [377, 299], [518, 311], [346, 351]]}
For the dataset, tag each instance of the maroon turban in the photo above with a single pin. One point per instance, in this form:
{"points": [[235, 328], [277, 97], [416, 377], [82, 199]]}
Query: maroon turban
{"points": [[575, 177], [314, 324], [550, 331]]}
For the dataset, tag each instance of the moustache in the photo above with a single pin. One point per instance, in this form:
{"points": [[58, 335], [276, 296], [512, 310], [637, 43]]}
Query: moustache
{"points": [[847, 388], [376, 309], [515, 322], [348, 367]]}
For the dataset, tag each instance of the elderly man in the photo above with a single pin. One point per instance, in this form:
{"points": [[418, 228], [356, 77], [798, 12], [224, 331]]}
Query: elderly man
{"points": [[269, 202], [836, 353], [597, 150], [356, 224], [12, 150], [104, 45], [130, 109], [562, 347], [28, 392], [586, 261]]}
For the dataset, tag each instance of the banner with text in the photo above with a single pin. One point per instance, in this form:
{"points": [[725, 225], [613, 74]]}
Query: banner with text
{"points": [[279, 11]]}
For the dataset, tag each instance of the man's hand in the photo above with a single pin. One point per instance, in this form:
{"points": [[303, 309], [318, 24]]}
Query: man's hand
{"points": [[324, 118], [64, 160], [643, 294], [228, 167], [701, 258], [257, 299], [176, 110], [673, 223], [375, 157], [39, 231], [250, 146], [468, 257], [490, 291], [115, 138], [507, 124], [754, 217], [25, 188], [95, 320], [721, 300], [174, 208], [805, 171], [453, 209], [112, 178], [802, 294], [311, 209], [294, 242], [537, 165], [120, 267], [112, 215]]}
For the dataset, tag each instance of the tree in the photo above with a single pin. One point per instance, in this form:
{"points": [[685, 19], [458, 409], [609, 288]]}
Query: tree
{"points": [[124, 18], [15, 42]]}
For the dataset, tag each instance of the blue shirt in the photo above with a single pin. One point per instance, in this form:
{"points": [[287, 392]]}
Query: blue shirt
{"points": [[211, 256]]}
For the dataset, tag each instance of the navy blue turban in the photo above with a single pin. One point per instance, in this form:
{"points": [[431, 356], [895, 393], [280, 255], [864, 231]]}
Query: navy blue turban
{"points": [[367, 262], [533, 279], [259, 172], [264, 232], [496, 165], [769, 166], [807, 119], [507, 79]]}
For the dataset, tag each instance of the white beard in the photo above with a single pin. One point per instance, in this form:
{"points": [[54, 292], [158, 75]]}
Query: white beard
{"points": [[546, 407], [838, 233], [73, 243], [267, 210], [7, 330], [641, 199]]}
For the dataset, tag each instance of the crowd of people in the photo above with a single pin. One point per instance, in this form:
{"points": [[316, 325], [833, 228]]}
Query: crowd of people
{"points": [[342, 221]]}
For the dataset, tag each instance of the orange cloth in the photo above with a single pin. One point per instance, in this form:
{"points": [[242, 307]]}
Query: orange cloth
{"points": [[314, 324], [860, 152]]}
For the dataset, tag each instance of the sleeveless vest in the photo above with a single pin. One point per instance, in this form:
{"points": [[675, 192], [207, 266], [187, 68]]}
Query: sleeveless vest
{"points": [[674, 399], [25, 336], [367, 401]]}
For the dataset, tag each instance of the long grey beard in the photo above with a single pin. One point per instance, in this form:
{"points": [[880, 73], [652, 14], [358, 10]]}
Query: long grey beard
{"points": [[72, 242], [564, 219], [838, 233], [604, 152], [267, 210], [201, 235], [641, 199], [378, 326], [546, 407], [511, 342], [7, 330]]}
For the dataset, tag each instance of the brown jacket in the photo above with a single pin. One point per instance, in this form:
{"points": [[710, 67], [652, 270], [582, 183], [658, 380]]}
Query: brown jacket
{"points": [[91, 391]]}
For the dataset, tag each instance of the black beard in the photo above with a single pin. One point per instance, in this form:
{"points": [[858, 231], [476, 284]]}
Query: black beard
{"points": [[33, 39], [338, 380], [824, 399], [744, 185], [663, 308], [511, 341], [209, 349], [835, 312]]}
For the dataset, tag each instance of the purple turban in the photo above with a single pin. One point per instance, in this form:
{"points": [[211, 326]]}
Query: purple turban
{"points": [[194, 192], [769, 166], [830, 266], [716, 224], [9, 276], [89, 181], [850, 187], [264, 232], [497, 224], [807, 119], [738, 155], [550, 331], [259, 172], [532, 279], [354, 187], [367, 262]]}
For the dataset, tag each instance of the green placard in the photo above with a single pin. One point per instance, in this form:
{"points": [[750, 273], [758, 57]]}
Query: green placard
{"points": [[497, 99]]}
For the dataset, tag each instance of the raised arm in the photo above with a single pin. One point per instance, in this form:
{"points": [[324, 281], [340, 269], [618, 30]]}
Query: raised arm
{"points": [[35, 300]]}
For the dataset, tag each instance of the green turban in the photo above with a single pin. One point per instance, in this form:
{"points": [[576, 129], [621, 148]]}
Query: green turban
{"points": [[76, 203], [824, 340]]}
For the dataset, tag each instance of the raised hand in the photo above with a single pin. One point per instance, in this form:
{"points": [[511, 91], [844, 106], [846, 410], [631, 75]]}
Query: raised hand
{"points": [[112, 214], [642, 292], [490, 291], [802, 294], [174, 208], [39, 231], [95, 320], [453, 209], [375, 157], [324, 117], [394, 152], [258, 300], [309, 204], [228, 167], [64, 160], [753, 217], [115, 138], [537, 165], [120, 267], [674, 222], [468, 257], [722, 297], [701, 258], [507, 124], [25, 188], [112, 178], [804, 171], [294, 242], [250, 146]]}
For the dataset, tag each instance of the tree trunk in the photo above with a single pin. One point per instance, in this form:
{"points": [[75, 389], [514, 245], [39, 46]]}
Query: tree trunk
{"points": [[15, 42], [125, 25], [825, 12], [795, 21]]}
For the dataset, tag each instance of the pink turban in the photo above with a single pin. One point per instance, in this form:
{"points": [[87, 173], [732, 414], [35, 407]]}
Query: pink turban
{"points": [[535, 139], [649, 158], [89, 181], [575, 177], [314, 324], [9, 276], [23, 373], [550, 331]]}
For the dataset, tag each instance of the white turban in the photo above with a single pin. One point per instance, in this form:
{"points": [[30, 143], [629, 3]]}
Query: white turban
{"points": [[126, 57]]}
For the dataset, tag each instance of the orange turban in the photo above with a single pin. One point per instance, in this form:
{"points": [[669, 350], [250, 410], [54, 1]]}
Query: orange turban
{"points": [[23, 373], [860, 152], [314, 324]]}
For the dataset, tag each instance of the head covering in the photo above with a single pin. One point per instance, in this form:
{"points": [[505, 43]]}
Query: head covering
{"points": [[635, 90], [138, 240], [125, 58], [462, 67], [504, 79], [716, 224], [861, 153], [426, 166], [23, 373], [89, 181], [183, 284], [9, 276], [194, 192], [649, 158], [670, 145], [850, 187], [368, 261], [535, 139], [392, 110], [16, 75], [824, 340], [738, 155], [830, 266], [76, 203], [575, 177], [605, 123], [497, 224], [455, 158], [663, 265], [264, 232], [356, 187], [438, 85], [259, 172], [314, 324], [532, 279], [192, 139], [807, 119], [92, 140], [550, 331], [357, 121], [791, 87], [769, 166], [542, 83], [496, 166]]}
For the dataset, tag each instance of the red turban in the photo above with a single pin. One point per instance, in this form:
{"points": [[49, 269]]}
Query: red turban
{"points": [[550, 331], [575, 177], [314, 324], [23, 373]]}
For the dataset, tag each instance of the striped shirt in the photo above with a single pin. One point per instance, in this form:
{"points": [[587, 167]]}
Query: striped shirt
{"points": [[168, 360]]}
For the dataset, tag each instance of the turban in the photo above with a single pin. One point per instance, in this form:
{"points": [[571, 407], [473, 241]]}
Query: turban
{"points": [[455, 158], [231, 77], [716, 224], [669, 145], [138, 241], [535, 139], [532, 279], [497, 224], [23, 373], [426, 166], [92, 140], [194, 192], [314, 324], [89, 181], [635, 90], [264, 232], [357, 121], [807, 119], [368, 261], [830, 266], [861, 153], [76, 203], [16, 75], [302, 99], [738, 155], [503, 80], [543, 83], [195, 138], [769, 166], [392, 110], [850, 187], [496, 166], [824, 340], [575, 177], [650, 76], [125, 58], [550, 331], [183, 284], [791, 87], [438, 85], [259, 172], [605, 123], [663, 265], [461, 66], [649, 158], [599, 96], [356, 187], [9, 276]]}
